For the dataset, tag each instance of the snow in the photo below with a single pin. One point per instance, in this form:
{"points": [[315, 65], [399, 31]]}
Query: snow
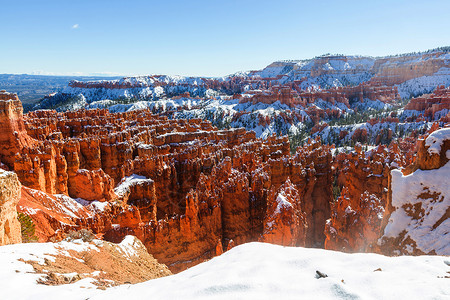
{"points": [[249, 271], [127, 247], [19, 282], [436, 139], [5, 174], [123, 187], [430, 190], [264, 271], [424, 84], [282, 203]]}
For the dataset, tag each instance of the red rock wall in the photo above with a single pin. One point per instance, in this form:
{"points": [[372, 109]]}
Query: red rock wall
{"points": [[357, 214], [403, 68], [207, 189], [430, 104], [13, 137]]}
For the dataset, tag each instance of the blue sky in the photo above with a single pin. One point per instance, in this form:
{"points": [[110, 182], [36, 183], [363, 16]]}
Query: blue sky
{"points": [[207, 38]]}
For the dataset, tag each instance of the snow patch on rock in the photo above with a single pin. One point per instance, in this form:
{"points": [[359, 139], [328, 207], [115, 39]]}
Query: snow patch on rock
{"points": [[435, 140], [421, 200]]}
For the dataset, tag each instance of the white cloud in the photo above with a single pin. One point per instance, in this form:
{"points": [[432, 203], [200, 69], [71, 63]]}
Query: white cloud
{"points": [[75, 26]]}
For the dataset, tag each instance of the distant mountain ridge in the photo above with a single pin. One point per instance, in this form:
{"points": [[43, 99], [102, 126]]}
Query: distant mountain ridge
{"points": [[413, 74], [32, 88]]}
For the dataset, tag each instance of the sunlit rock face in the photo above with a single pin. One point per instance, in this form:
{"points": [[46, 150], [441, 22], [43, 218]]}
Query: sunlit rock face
{"points": [[190, 191], [186, 189], [13, 136], [357, 213], [9, 197], [432, 106]]}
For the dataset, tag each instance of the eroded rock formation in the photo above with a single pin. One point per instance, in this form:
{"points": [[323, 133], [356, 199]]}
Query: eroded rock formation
{"points": [[285, 222], [186, 189], [357, 213], [432, 106], [13, 136], [292, 94], [189, 191], [9, 196]]}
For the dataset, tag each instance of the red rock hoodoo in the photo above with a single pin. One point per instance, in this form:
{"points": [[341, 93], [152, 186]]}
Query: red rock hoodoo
{"points": [[189, 191], [186, 189], [432, 104], [357, 213], [13, 136]]}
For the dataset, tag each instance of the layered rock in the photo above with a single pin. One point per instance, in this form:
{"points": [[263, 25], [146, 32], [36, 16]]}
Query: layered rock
{"points": [[395, 70], [13, 136], [9, 197], [432, 106], [91, 185], [293, 95], [285, 222]]}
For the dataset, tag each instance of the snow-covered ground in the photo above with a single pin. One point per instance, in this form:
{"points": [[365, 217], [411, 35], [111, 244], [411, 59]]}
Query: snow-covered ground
{"points": [[430, 190], [421, 201], [424, 84], [18, 280], [252, 271]]}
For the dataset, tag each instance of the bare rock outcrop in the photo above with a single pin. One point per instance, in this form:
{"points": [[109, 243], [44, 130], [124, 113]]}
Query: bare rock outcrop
{"points": [[186, 189], [285, 222], [356, 216], [13, 136], [9, 197]]}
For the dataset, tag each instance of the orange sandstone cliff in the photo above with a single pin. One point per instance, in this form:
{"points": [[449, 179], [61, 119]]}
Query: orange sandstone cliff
{"points": [[186, 189], [189, 191], [9, 197]]}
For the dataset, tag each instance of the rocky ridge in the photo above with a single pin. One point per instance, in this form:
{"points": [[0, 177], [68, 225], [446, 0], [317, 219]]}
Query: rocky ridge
{"points": [[281, 98]]}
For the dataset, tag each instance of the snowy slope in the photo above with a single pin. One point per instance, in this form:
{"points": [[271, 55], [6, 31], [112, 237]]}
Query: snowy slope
{"points": [[253, 271], [425, 84], [18, 281], [421, 201], [264, 271], [65, 261], [431, 191]]}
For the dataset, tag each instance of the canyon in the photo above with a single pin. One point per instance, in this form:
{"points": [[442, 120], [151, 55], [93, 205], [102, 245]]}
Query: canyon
{"points": [[189, 191]]}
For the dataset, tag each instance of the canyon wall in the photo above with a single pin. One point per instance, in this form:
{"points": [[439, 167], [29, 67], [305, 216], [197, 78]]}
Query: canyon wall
{"points": [[190, 192], [293, 95], [13, 136], [9, 197], [363, 178], [431, 106], [186, 189]]}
